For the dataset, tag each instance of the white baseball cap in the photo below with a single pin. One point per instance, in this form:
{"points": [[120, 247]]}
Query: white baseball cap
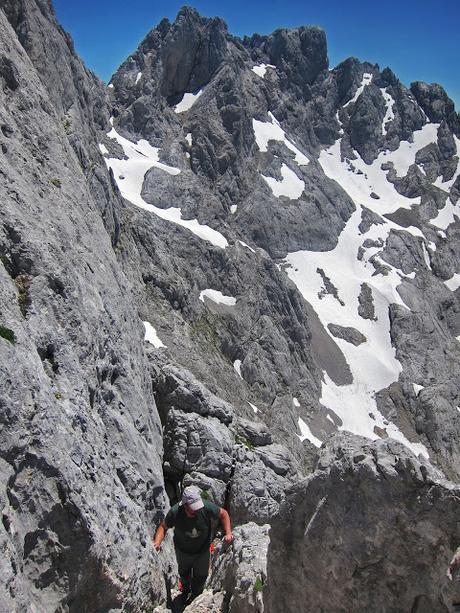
{"points": [[191, 496]]}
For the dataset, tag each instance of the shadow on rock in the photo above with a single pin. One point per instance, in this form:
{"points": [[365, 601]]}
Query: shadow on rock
{"points": [[179, 603]]}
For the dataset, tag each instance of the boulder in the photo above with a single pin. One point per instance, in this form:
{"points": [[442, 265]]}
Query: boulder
{"points": [[374, 528], [239, 571], [195, 443], [258, 482]]}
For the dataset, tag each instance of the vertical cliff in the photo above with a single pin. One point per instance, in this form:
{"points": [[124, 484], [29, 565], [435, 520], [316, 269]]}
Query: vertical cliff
{"points": [[81, 443]]}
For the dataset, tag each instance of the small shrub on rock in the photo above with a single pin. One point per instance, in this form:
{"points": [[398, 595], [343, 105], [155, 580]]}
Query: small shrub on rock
{"points": [[8, 334]]}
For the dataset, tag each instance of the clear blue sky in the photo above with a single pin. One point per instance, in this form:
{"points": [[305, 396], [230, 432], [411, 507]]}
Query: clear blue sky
{"points": [[418, 39]]}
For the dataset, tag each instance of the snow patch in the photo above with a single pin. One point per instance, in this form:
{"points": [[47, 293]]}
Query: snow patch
{"points": [[295, 402], [306, 433], [188, 100], [404, 156], [261, 69], [237, 367], [265, 131], [247, 246], [446, 215], [454, 282], [359, 179], [345, 401], [373, 364], [389, 115], [253, 406], [339, 122], [129, 175], [151, 335], [217, 297], [417, 388], [290, 185], [366, 80], [426, 256], [188, 138], [138, 78], [103, 149], [110, 85], [233, 208]]}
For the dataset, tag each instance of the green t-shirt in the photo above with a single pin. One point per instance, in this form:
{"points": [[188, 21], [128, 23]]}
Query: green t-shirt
{"points": [[192, 534]]}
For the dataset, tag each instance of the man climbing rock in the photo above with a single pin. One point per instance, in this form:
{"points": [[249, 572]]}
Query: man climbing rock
{"points": [[192, 522]]}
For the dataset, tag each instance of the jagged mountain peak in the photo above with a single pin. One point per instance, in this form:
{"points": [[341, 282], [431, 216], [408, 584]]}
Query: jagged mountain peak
{"points": [[193, 16], [176, 57], [436, 103], [286, 47], [193, 48]]}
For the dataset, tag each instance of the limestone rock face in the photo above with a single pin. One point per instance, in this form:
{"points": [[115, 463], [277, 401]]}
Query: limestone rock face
{"points": [[434, 101], [235, 462], [240, 570], [260, 477], [81, 445], [196, 443], [300, 54], [372, 528], [77, 96], [180, 389]]}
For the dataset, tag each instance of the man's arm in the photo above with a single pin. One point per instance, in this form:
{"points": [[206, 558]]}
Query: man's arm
{"points": [[226, 525], [160, 535]]}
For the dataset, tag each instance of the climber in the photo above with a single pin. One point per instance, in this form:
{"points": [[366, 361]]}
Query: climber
{"points": [[192, 523]]}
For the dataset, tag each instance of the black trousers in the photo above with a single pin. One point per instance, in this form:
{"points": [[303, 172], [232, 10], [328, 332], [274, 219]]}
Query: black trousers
{"points": [[193, 570]]}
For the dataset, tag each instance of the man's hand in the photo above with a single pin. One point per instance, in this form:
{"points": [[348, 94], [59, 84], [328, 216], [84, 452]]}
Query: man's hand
{"points": [[156, 546], [228, 538], [159, 536]]}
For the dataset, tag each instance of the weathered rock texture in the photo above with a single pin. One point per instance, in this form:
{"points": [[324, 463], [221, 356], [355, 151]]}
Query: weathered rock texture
{"points": [[81, 444], [240, 571], [372, 529]]}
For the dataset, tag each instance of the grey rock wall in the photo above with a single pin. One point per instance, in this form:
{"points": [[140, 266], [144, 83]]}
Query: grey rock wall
{"points": [[81, 445], [372, 528], [240, 571], [77, 95]]}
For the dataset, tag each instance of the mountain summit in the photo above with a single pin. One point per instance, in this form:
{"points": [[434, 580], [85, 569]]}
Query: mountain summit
{"points": [[238, 268]]}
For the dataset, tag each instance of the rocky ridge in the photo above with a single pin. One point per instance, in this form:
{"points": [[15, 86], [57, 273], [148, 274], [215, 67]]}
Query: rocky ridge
{"points": [[397, 563]]}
